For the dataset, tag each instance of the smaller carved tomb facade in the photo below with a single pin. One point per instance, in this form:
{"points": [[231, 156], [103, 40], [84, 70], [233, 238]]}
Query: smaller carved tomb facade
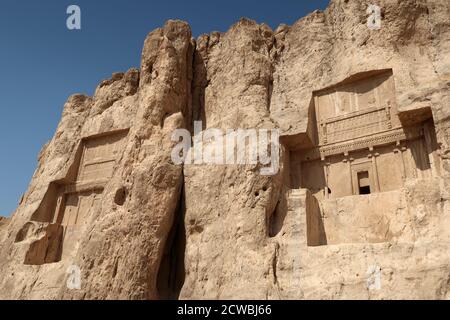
{"points": [[360, 144], [69, 204]]}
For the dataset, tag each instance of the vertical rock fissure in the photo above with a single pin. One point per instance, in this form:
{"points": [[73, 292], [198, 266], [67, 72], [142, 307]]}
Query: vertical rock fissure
{"points": [[198, 87], [171, 272], [273, 222]]}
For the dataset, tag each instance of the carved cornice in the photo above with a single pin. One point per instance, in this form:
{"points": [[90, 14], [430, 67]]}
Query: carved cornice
{"points": [[85, 186], [366, 142]]}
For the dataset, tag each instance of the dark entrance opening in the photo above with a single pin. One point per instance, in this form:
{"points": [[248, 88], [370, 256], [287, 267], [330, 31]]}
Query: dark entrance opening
{"points": [[364, 190], [363, 182]]}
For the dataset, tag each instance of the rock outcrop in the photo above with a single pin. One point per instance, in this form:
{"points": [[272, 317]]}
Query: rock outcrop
{"points": [[108, 200], [3, 225]]}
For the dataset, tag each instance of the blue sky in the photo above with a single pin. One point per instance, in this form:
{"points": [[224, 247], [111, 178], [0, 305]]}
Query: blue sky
{"points": [[42, 62]]}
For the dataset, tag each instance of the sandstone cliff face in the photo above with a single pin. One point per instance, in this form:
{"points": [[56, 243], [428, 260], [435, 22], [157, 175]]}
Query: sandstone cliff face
{"points": [[153, 229], [3, 225], [121, 242]]}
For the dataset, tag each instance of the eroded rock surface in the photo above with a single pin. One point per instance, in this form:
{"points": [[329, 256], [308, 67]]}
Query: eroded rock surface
{"points": [[358, 210]]}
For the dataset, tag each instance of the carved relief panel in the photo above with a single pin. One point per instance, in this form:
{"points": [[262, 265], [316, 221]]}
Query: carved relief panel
{"points": [[79, 201], [68, 206], [363, 147], [99, 156], [78, 209], [356, 109]]}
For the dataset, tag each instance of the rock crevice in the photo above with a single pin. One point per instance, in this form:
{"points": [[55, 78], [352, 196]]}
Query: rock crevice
{"points": [[364, 122]]}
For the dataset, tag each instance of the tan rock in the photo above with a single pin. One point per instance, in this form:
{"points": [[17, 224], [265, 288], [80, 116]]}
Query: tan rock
{"points": [[3, 225], [358, 210]]}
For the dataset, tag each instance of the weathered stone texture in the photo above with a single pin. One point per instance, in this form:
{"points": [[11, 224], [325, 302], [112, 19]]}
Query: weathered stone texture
{"points": [[107, 197]]}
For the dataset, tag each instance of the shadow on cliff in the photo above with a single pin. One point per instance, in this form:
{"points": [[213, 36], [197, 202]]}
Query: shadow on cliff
{"points": [[171, 274]]}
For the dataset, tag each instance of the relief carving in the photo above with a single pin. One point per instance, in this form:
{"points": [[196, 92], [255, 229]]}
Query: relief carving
{"points": [[67, 205], [363, 146]]}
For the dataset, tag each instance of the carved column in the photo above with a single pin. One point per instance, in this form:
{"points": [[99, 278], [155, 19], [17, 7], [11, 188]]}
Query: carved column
{"points": [[325, 173], [323, 132], [398, 151], [388, 115], [373, 156], [349, 160]]}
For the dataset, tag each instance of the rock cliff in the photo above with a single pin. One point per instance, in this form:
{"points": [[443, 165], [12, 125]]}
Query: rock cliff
{"points": [[107, 198]]}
